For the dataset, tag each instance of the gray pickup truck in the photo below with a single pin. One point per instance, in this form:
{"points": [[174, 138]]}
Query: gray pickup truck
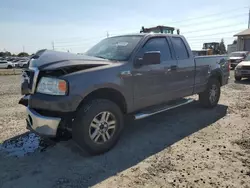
{"points": [[140, 75]]}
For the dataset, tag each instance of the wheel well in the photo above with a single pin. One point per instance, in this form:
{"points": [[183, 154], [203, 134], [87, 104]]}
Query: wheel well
{"points": [[217, 76], [109, 94]]}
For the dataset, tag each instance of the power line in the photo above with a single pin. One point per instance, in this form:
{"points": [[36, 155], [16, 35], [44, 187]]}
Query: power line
{"points": [[221, 13], [210, 15], [218, 38], [213, 21], [194, 31], [234, 31]]}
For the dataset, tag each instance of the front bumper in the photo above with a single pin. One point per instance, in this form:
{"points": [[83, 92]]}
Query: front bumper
{"points": [[242, 73], [43, 125]]}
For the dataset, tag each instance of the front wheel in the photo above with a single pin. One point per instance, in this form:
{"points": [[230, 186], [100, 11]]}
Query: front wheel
{"points": [[98, 126], [210, 97]]}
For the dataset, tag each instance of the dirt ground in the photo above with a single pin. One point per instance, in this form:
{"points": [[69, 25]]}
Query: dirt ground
{"points": [[185, 147]]}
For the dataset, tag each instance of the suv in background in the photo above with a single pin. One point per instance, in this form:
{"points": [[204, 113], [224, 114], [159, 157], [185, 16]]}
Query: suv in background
{"points": [[236, 57]]}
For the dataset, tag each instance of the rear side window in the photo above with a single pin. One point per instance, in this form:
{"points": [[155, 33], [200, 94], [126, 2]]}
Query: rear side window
{"points": [[180, 48], [157, 44]]}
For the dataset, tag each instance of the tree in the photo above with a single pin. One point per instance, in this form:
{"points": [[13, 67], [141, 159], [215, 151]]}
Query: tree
{"points": [[23, 54], [5, 54], [222, 47], [235, 41]]}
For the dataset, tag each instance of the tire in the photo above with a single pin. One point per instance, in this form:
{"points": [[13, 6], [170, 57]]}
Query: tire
{"points": [[213, 88], [9, 67], [84, 126], [238, 78]]}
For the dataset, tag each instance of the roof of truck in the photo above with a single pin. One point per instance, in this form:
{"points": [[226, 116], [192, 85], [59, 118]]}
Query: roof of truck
{"points": [[146, 34]]}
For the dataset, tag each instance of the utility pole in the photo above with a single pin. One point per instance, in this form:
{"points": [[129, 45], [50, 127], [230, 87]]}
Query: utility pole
{"points": [[107, 34], [249, 19], [53, 45], [23, 48]]}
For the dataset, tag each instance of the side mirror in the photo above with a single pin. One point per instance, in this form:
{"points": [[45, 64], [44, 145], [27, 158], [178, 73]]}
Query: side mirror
{"points": [[149, 58]]}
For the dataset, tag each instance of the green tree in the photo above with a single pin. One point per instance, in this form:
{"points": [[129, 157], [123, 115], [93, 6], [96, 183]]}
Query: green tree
{"points": [[235, 41], [5, 54], [222, 47], [23, 54]]}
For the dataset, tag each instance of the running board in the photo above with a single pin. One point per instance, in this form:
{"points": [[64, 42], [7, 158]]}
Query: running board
{"points": [[148, 113]]}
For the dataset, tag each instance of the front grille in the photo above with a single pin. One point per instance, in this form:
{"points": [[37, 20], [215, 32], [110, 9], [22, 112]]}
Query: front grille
{"points": [[29, 74], [30, 78], [245, 68], [232, 61]]}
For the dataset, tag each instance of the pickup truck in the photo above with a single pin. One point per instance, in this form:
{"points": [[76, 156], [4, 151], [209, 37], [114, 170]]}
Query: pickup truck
{"points": [[138, 75]]}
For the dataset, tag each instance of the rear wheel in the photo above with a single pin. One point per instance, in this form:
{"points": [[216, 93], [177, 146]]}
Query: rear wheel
{"points": [[98, 126], [238, 78], [9, 67], [210, 97]]}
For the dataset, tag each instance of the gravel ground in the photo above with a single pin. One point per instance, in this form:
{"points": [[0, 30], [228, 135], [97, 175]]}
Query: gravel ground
{"points": [[185, 147]]}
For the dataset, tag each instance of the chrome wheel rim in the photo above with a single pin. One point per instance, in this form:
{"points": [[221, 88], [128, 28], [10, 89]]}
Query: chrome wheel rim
{"points": [[102, 127], [213, 93]]}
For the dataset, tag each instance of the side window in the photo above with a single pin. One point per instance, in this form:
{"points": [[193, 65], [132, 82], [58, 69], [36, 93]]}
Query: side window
{"points": [[157, 44], [180, 48]]}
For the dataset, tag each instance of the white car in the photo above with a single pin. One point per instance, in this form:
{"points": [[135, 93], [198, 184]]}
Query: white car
{"points": [[22, 63], [242, 70], [6, 64]]}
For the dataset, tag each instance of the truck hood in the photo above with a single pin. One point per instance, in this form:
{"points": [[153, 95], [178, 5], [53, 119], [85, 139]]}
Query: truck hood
{"points": [[244, 63], [235, 58], [50, 60]]}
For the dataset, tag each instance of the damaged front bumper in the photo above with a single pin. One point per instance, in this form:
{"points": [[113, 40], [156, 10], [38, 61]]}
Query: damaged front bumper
{"points": [[42, 125]]}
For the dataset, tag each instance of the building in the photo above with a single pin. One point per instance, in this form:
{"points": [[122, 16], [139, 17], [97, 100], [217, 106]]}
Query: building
{"points": [[231, 48], [243, 40]]}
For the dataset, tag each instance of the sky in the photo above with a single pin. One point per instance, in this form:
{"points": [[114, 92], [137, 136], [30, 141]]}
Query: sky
{"points": [[76, 25]]}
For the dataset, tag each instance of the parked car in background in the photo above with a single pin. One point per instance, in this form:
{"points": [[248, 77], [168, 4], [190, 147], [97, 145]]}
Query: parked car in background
{"points": [[6, 64], [23, 63], [242, 70], [236, 57]]}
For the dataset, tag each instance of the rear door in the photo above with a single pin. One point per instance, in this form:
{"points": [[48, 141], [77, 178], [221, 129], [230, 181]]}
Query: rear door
{"points": [[3, 64], [151, 81], [185, 72]]}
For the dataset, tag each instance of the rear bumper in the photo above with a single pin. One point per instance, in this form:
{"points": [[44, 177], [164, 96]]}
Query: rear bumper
{"points": [[43, 125]]}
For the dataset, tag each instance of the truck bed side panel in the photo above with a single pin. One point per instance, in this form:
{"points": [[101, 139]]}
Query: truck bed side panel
{"points": [[206, 66]]}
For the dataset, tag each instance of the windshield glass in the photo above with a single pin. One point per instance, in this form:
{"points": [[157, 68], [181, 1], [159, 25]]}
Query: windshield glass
{"points": [[115, 48], [237, 55]]}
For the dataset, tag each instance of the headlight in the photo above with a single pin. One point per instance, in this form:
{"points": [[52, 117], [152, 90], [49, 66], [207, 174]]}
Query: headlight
{"points": [[52, 86]]}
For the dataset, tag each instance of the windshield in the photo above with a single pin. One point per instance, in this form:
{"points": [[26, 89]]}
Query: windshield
{"points": [[237, 55], [115, 48]]}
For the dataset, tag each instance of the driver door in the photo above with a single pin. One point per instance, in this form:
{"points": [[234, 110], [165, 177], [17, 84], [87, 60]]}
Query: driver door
{"points": [[150, 81]]}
